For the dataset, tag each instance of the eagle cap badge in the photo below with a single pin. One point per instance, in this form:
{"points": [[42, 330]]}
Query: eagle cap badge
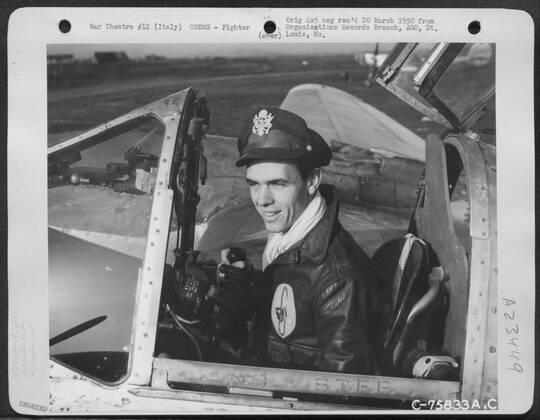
{"points": [[262, 122]]}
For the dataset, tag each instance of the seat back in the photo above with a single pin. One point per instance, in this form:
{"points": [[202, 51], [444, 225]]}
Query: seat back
{"points": [[408, 304]]}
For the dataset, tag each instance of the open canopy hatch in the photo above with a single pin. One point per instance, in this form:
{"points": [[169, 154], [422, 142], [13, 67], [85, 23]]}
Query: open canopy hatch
{"points": [[449, 83]]}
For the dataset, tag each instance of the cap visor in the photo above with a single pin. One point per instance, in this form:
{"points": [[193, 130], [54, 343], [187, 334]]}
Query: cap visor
{"points": [[268, 153]]}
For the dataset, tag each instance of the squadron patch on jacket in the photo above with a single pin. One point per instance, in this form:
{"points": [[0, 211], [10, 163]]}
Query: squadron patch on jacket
{"points": [[283, 310], [262, 123]]}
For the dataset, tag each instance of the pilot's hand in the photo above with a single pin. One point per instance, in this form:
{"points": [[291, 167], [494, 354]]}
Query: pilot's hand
{"points": [[232, 307], [233, 257]]}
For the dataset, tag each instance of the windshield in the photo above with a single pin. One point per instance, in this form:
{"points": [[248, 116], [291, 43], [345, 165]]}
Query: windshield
{"points": [[106, 186], [99, 205]]}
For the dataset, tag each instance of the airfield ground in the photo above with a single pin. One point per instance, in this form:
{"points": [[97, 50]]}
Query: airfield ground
{"points": [[85, 95]]}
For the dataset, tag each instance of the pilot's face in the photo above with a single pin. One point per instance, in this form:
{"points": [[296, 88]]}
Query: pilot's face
{"points": [[279, 193]]}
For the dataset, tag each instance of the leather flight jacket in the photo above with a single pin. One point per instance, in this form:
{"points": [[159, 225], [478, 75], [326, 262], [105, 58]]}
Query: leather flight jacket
{"points": [[318, 301]]}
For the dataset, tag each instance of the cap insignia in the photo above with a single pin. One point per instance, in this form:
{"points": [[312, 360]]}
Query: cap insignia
{"points": [[262, 123]]}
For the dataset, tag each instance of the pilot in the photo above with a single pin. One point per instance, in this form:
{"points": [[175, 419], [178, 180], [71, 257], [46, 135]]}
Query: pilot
{"points": [[314, 314]]}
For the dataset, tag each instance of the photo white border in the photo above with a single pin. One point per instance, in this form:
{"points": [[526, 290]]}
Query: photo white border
{"points": [[512, 31]]}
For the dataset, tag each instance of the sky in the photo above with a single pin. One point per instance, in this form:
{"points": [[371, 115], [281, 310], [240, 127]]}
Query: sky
{"points": [[134, 51]]}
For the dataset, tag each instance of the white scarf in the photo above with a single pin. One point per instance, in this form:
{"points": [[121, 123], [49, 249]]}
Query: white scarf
{"points": [[280, 242]]}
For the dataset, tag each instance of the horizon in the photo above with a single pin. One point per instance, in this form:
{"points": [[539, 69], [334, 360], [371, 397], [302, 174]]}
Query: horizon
{"points": [[192, 50]]}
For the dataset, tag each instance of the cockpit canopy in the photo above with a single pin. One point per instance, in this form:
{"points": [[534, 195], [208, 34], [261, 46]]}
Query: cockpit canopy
{"points": [[451, 83]]}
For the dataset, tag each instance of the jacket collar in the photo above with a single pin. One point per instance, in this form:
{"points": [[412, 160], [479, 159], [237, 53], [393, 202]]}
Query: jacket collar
{"points": [[315, 244]]}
